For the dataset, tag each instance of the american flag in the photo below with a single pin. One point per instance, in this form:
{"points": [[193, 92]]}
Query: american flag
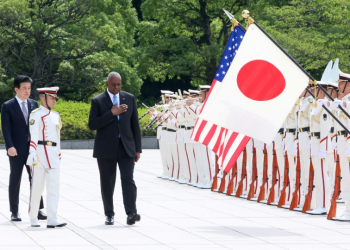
{"points": [[225, 143]]}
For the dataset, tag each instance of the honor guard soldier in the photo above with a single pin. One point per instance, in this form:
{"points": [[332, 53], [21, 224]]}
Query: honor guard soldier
{"points": [[343, 142], [45, 157], [291, 124]]}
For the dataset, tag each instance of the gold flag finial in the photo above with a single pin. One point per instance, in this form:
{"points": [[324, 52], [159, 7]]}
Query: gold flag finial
{"points": [[248, 19], [234, 23]]}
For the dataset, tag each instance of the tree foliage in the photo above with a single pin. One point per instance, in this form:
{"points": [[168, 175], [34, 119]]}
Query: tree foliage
{"points": [[183, 38], [312, 31], [72, 44]]}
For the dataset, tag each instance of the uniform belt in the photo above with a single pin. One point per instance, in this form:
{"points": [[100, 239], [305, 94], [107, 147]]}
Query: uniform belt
{"points": [[163, 128], [290, 130], [332, 129], [181, 126], [342, 132], [315, 134], [47, 143], [189, 128], [306, 129], [281, 131], [171, 130]]}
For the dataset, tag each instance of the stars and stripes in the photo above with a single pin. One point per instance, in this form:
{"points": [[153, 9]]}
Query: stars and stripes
{"points": [[226, 144]]}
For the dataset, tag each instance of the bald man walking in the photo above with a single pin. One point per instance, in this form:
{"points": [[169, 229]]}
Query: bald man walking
{"points": [[118, 141]]}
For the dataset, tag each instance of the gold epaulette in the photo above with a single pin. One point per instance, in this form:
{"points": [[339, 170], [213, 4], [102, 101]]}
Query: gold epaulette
{"points": [[35, 110]]}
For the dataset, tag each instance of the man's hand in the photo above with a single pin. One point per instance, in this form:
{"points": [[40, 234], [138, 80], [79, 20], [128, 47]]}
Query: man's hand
{"points": [[137, 157], [119, 110], [152, 109], [12, 152]]}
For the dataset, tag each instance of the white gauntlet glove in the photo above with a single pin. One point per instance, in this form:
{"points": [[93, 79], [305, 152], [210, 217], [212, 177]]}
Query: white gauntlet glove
{"points": [[347, 152], [294, 151], [322, 154], [32, 158]]}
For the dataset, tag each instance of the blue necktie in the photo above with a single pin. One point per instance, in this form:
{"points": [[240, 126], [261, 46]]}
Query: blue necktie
{"points": [[115, 102]]}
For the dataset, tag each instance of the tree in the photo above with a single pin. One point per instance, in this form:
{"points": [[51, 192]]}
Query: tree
{"points": [[72, 44], [183, 38], [312, 31]]}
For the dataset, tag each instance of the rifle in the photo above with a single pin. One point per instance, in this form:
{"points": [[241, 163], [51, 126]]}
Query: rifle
{"points": [[243, 174], [214, 186], [308, 196], [265, 177], [155, 120], [294, 202], [254, 177], [230, 184], [333, 209], [271, 198], [223, 183], [282, 200]]}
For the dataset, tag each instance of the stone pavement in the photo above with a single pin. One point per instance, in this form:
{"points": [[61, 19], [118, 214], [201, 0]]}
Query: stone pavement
{"points": [[173, 216]]}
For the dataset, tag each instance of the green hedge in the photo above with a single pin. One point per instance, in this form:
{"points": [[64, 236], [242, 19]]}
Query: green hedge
{"points": [[75, 116]]}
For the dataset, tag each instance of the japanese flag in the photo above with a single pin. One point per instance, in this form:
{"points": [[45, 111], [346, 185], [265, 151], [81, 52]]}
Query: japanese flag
{"points": [[260, 88]]}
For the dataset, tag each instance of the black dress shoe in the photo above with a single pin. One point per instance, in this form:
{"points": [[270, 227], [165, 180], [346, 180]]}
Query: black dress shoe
{"points": [[132, 218], [109, 220], [15, 217], [59, 224], [42, 216]]}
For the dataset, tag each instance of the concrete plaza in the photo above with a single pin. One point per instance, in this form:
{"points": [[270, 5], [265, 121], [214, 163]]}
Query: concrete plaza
{"points": [[173, 216]]}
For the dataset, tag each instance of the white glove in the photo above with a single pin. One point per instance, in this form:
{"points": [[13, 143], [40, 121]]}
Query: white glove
{"points": [[308, 147], [322, 154], [262, 145], [334, 146], [32, 158], [337, 103], [294, 151], [347, 152], [322, 102]]}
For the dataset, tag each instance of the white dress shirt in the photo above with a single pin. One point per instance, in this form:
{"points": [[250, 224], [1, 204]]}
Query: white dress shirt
{"points": [[112, 96]]}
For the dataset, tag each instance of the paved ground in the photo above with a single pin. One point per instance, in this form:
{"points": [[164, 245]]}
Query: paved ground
{"points": [[173, 216]]}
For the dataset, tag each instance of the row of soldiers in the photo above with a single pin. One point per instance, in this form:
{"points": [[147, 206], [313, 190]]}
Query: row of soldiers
{"points": [[306, 167], [184, 160]]}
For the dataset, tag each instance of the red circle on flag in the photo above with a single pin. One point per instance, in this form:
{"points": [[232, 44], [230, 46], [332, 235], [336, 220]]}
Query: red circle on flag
{"points": [[260, 80]]}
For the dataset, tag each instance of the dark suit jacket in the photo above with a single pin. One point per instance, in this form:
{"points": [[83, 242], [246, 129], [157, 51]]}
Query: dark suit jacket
{"points": [[14, 127], [109, 127]]}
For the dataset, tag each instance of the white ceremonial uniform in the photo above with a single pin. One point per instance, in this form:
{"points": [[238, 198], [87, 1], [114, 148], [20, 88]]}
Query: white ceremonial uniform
{"points": [[291, 124], [173, 157], [45, 125], [304, 146], [259, 165], [202, 155], [249, 165], [189, 147], [343, 149], [180, 136], [162, 148], [320, 125]]}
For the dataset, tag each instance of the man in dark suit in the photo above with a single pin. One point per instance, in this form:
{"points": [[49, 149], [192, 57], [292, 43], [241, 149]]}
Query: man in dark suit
{"points": [[118, 140], [15, 128]]}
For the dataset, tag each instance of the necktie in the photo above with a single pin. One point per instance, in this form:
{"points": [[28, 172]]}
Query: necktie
{"points": [[25, 112], [115, 101]]}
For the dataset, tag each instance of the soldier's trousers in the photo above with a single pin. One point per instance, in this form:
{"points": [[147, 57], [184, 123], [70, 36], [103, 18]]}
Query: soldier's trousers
{"points": [[52, 180], [321, 183], [184, 162], [345, 181]]}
